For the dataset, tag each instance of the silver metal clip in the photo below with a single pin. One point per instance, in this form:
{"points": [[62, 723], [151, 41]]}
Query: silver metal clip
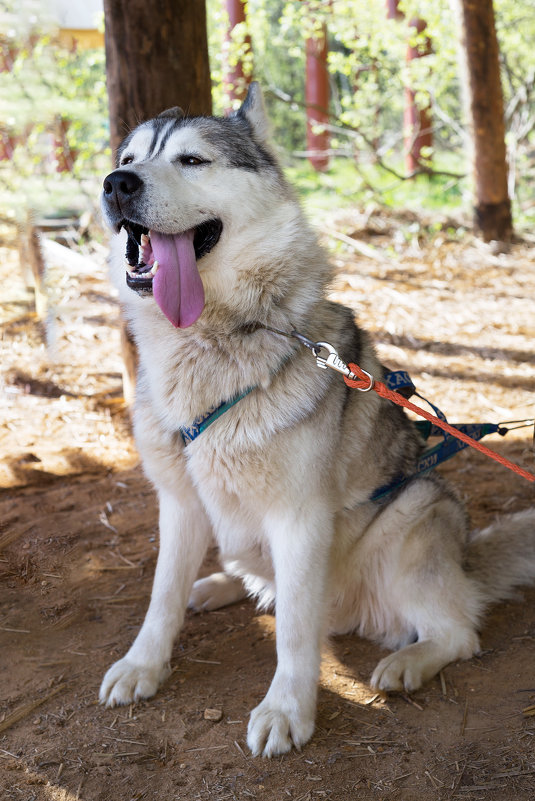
{"points": [[334, 361]]}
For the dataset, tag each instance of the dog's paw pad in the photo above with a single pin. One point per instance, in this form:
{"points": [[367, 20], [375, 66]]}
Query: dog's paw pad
{"points": [[272, 731], [126, 682]]}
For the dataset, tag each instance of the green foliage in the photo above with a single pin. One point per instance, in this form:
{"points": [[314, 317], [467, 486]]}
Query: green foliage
{"points": [[347, 184], [53, 105], [47, 84], [278, 64], [369, 74]]}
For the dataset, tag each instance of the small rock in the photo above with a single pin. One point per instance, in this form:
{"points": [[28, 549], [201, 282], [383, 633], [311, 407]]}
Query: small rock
{"points": [[213, 714]]}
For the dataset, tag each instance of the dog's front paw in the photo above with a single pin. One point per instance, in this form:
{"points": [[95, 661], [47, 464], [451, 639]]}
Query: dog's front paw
{"points": [[127, 681], [273, 729]]}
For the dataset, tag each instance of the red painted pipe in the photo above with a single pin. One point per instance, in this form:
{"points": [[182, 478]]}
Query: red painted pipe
{"points": [[235, 81], [317, 99], [417, 122]]}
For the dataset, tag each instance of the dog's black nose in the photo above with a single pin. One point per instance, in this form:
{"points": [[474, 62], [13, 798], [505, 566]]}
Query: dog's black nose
{"points": [[122, 183]]}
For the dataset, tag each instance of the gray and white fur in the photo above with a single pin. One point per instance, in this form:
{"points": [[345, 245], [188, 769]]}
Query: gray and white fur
{"points": [[282, 481]]}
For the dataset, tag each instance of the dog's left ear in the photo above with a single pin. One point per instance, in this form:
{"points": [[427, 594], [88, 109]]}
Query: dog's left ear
{"points": [[254, 111], [174, 113]]}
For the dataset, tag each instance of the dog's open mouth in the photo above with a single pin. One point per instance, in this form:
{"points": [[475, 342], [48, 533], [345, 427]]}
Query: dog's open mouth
{"points": [[165, 265]]}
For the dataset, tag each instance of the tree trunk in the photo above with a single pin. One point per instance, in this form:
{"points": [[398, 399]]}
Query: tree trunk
{"points": [[417, 122], [156, 57], [392, 10], [480, 54]]}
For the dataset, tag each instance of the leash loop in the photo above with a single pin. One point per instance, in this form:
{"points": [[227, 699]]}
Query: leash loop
{"points": [[512, 425]]}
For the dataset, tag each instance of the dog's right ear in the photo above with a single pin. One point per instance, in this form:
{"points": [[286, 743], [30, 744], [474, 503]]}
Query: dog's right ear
{"points": [[254, 111], [174, 113]]}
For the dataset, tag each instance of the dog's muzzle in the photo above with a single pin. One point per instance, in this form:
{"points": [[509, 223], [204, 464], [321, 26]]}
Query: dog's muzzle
{"points": [[120, 187], [162, 264]]}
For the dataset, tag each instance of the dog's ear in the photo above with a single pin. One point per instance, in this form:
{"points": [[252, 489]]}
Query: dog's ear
{"points": [[253, 110], [174, 113]]}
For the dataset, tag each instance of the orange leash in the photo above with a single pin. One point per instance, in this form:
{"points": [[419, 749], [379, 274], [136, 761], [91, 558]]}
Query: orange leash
{"points": [[366, 382], [356, 378]]}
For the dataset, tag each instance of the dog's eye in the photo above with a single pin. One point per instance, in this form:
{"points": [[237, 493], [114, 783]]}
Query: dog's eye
{"points": [[127, 160], [192, 161]]}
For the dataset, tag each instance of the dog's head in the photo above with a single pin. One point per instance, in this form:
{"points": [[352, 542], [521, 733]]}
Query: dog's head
{"points": [[177, 190]]}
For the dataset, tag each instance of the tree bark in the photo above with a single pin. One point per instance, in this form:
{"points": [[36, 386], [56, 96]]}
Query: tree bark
{"points": [[392, 10], [417, 122], [480, 54], [156, 57]]}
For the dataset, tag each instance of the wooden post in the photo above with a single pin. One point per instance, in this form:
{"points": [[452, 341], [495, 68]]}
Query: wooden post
{"points": [[156, 57]]}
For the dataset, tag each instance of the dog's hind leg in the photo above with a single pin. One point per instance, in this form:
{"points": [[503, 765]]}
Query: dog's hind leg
{"points": [[184, 537], [418, 588], [415, 664], [216, 591]]}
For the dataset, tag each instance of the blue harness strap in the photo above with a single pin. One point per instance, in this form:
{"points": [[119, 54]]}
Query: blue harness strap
{"points": [[189, 433], [400, 381]]}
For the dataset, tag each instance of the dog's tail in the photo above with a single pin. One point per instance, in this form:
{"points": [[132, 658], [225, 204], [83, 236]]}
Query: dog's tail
{"points": [[502, 556]]}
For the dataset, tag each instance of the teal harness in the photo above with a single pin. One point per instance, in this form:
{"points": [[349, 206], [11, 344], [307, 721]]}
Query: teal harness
{"points": [[396, 380], [202, 422]]}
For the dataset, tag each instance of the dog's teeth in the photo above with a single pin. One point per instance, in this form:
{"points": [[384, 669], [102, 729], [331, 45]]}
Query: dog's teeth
{"points": [[154, 268], [144, 239]]}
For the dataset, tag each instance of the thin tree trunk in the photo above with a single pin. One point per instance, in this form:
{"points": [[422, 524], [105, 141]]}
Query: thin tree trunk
{"points": [[480, 54], [417, 122], [156, 57], [392, 10], [317, 99], [237, 76]]}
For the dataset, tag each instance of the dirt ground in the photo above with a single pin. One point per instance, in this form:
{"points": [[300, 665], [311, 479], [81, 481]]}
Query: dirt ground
{"points": [[78, 541]]}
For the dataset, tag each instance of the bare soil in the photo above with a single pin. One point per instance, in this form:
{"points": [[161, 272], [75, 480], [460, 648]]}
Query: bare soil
{"points": [[78, 541]]}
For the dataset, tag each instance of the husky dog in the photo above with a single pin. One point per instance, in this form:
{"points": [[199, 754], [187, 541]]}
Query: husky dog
{"points": [[218, 256]]}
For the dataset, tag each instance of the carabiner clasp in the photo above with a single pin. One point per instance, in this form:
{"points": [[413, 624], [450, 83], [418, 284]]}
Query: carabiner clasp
{"points": [[334, 361]]}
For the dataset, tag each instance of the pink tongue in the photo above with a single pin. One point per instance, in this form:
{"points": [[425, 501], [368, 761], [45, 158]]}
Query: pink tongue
{"points": [[177, 285]]}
